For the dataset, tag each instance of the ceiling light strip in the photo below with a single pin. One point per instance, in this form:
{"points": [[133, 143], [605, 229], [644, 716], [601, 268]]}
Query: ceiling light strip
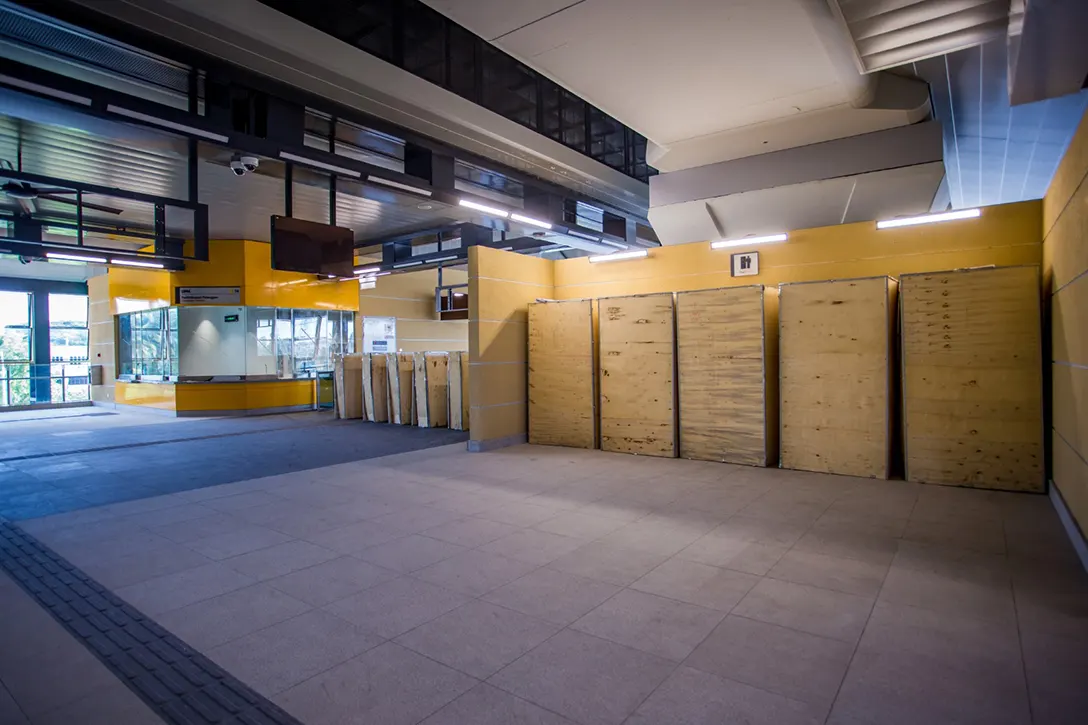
{"points": [[320, 165], [398, 185], [749, 241], [367, 270], [529, 220], [929, 218], [134, 263], [156, 121], [442, 259], [617, 245], [484, 208], [402, 265], [580, 235], [75, 257], [44, 90], [620, 256]]}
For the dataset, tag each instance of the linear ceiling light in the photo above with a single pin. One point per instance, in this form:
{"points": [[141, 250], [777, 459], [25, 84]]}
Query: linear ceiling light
{"points": [[75, 257], [155, 120], [443, 259], [929, 218], [484, 208], [529, 220], [618, 256], [768, 239], [580, 235], [407, 264], [320, 165], [398, 185], [45, 90], [617, 245], [367, 270], [134, 263]]}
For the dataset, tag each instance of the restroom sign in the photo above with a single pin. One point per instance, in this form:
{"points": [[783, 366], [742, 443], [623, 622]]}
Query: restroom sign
{"points": [[745, 264]]}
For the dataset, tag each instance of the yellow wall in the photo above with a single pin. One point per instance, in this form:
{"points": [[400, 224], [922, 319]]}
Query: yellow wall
{"points": [[1065, 279], [193, 398], [410, 298], [1004, 235], [501, 286]]}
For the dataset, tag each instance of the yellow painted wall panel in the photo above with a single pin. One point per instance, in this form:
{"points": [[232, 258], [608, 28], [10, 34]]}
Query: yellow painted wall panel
{"points": [[1071, 478], [147, 395], [502, 341], [498, 299], [1065, 250], [498, 383], [1069, 317], [1068, 177], [1070, 413], [496, 264], [499, 421]]}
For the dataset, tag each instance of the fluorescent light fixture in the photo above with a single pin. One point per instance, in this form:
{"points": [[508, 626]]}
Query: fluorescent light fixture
{"points": [[134, 263], [367, 270], [45, 90], [929, 218], [618, 245], [156, 121], [506, 249], [320, 165], [529, 220], [580, 235], [748, 241], [443, 259], [407, 264], [458, 294], [75, 257], [484, 208], [398, 185], [618, 256]]}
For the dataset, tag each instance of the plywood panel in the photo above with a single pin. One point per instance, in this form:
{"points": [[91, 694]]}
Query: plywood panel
{"points": [[438, 386], [419, 387], [375, 388], [834, 367], [466, 401], [637, 374], [972, 378], [720, 363], [562, 398], [399, 368], [458, 419]]}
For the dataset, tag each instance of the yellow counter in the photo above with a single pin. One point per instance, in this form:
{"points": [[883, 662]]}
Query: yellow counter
{"points": [[196, 399]]}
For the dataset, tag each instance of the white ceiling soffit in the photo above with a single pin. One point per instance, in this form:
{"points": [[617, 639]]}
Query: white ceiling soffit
{"points": [[889, 33], [1047, 53], [878, 195], [676, 70], [254, 36]]}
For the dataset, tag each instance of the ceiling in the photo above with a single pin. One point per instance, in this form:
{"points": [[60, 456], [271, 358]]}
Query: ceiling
{"points": [[994, 152], [678, 69]]}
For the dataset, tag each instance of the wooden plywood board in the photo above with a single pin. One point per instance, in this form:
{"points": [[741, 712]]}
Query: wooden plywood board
{"points": [[973, 379], [466, 400], [834, 375], [350, 382], [419, 388], [456, 411], [637, 340], [720, 353], [399, 369], [438, 386], [562, 397], [375, 388]]}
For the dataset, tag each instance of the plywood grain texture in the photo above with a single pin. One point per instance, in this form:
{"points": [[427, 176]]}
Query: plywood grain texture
{"points": [[835, 375], [721, 354], [972, 378], [375, 388], [455, 373], [419, 389], [562, 395], [399, 369], [637, 341], [438, 386]]}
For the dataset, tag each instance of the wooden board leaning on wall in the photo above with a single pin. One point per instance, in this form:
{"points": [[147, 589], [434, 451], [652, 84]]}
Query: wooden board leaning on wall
{"points": [[562, 393], [399, 368], [458, 377], [375, 388], [637, 336], [835, 367], [973, 378], [722, 368]]}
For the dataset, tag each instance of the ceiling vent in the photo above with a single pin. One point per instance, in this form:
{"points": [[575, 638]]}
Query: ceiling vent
{"points": [[889, 33]]}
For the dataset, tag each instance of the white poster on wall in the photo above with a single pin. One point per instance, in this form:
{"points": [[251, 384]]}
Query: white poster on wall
{"points": [[379, 334]]}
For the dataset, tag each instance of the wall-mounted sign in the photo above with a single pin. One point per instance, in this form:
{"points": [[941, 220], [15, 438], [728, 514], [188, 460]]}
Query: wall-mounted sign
{"points": [[379, 334], [209, 295], [230, 318], [745, 264]]}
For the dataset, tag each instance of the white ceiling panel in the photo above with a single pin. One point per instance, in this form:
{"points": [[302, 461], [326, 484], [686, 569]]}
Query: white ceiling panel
{"points": [[491, 19]]}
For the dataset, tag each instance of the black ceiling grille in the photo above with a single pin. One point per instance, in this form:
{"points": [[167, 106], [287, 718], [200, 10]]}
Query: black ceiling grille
{"points": [[29, 29]]}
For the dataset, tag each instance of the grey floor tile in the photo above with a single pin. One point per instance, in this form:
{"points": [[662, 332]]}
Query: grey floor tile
{"points": [[279, 559], [183, 532], [987, 537], [695, 583], [112, 704], [353, 538], [944, 636], [663, 627], [808, 609], [519, 513], [849, 544], [410, 553], [389, 685], [416, 519], [475, 572], [478, 638], [394, 607], [534, 547], [607, 563], [470, 531], [723, 549], [954, 563], [793, 664], [580, 525], [584, 678], [240, 501], [241, 540], [942, 593], [332, 581], [657, 537], [851, 576], [174, 591], [170, 515], [10, 712], [1057, 669], [275, 658], [137, 566], [487, 705], [692, 697], [553, 595], [212, 622], [903, 689]]}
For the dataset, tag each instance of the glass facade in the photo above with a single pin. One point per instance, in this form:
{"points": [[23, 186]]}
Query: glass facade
{"points": [[43, 356], [413, 36], [200, 342], [16, 343]]}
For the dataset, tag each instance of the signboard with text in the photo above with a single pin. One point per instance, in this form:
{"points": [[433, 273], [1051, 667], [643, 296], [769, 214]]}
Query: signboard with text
{"points": [[379, 334], [209, 295]]}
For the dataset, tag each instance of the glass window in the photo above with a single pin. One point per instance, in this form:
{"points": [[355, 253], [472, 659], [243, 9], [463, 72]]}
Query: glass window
{"points": [[464, 50], [148, 342], [574, 121], [285, 343], [509, 87], [15, 337], [425, 44]]}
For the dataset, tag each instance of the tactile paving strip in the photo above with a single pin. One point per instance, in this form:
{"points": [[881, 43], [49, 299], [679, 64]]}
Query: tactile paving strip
{"points": [[179, 684]]}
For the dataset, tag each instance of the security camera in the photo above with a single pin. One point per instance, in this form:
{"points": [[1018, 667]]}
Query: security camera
{"points": [[250, 162], [240, 165], [237, 167]]}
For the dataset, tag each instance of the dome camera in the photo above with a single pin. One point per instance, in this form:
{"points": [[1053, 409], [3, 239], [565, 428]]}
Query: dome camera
{"points": [[250, 163], [241, 165]]}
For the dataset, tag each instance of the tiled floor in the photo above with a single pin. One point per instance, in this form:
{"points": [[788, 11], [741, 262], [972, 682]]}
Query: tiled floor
{"points": [[552, 586]]}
